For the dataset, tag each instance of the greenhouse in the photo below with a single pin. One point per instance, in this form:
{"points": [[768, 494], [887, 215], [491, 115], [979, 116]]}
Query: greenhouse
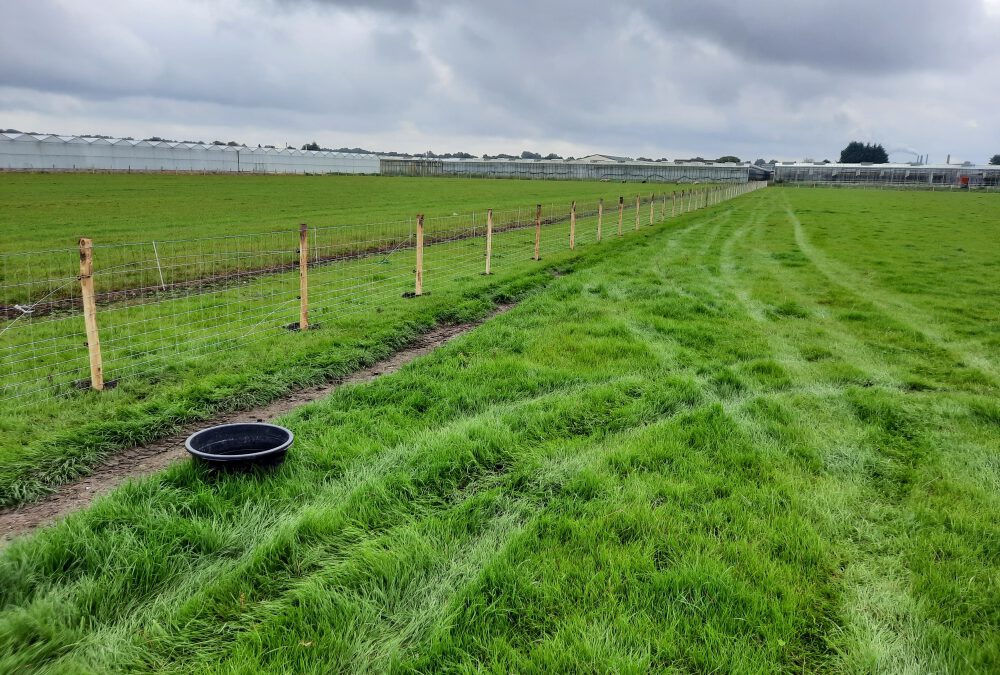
{"points": [[618, 170], [917, 175], [33, 152]]}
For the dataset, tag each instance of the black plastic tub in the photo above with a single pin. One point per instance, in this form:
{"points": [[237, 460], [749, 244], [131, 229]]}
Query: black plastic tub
{"points": [[240, 446]]}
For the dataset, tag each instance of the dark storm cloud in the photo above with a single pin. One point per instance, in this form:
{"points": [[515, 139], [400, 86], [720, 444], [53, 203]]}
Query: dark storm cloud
{"points": [[712, 77]]}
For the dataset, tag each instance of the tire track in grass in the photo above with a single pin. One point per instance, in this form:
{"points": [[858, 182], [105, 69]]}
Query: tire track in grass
{"points": [[898, 310], [885, 623], [150, 458], [836, 332]]}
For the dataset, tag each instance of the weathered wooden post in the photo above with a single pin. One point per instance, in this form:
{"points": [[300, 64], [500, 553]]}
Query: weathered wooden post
{"points": [[572, 226], [621, 213], [663, 208], [489, 238], [90, 314], [538, 230], [673, 204], [303, 277], [652, 206], [418, 288], [638, 205], [600, 217]]}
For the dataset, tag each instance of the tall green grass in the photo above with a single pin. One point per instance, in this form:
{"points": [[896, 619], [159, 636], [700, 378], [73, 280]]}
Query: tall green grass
{"points": [[720, 445]]}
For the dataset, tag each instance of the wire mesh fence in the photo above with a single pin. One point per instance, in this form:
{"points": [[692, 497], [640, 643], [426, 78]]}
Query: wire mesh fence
{"points": [[158, 304]]}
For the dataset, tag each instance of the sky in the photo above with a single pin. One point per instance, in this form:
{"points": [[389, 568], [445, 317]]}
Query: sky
{"points": [[785, 80]]}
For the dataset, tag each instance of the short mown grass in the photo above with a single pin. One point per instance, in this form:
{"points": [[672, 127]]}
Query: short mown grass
{"points": [[720, 445]]}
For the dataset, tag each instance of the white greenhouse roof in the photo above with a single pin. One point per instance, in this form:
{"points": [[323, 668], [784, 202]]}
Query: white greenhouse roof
{"points": [[52, 138]]}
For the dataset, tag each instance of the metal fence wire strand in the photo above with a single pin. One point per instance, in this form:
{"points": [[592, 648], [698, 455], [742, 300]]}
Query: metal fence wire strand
{"points": [[160, 305]]}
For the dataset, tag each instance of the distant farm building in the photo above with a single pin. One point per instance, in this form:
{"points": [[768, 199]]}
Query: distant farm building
{"points": [[39, 152], [916, 175], [593, 167]]}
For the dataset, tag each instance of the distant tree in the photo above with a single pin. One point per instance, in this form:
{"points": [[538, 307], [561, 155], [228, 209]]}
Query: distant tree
{"points": [[857, 152], [462, 155], [995, 160], [643, 159], [729, 158], [223, 143], [570, 159], [759, 162], [552, 155], [530, 155]]}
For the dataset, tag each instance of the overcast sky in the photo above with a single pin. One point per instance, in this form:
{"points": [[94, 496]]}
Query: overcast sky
{"points": [[791, 80]]}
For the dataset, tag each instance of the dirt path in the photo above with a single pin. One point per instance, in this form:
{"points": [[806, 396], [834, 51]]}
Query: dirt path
{"points": [[147, 459]]}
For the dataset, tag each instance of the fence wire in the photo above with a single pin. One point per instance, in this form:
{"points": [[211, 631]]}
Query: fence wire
{"points": [[160, 304]]}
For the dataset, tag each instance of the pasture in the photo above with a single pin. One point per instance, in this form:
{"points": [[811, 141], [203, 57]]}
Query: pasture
{"points": [[761, 436], [48, 211], [179, 319]]}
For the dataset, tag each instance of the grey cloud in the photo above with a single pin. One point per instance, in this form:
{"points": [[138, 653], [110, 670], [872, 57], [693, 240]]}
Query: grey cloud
{"points": [[710, 77], [840, 35], [392, 6]]}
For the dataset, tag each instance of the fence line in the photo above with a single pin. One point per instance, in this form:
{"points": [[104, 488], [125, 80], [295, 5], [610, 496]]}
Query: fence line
{"points": [[103, 313]]}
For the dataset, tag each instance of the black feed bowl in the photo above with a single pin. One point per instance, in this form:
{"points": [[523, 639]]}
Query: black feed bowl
{"points": [[240, 446]]}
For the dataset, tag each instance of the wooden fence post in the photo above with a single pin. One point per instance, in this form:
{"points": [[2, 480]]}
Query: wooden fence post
{"points": [[638, 208], [303, 277], [673, 204], [621, 213], [418, 288], [652, 207], [90, 314], [600, 217], [663, 208], [572, 226], [538, 230], [489, 238]]}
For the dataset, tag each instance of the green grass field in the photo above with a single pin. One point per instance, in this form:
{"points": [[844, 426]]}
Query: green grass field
{"points": [[47, 211], [216, 225], [186, 354], [759, 437]]}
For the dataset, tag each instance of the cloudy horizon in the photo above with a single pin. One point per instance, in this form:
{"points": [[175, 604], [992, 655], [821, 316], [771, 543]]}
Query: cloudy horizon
{"points": [[765, 79]]}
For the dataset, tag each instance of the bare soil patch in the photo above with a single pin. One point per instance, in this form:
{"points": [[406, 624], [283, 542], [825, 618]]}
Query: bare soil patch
{"points": [[150, 458]]}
